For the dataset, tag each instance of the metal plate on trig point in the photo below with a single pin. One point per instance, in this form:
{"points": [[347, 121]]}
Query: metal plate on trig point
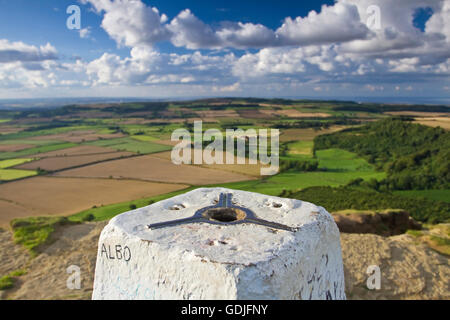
{"points": [[223, 213]]}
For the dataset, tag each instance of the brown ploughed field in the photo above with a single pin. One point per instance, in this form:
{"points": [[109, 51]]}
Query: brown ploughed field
{"points": [[14, 147], [59, 163], [246, 169], [43, 196], [153, 168]]}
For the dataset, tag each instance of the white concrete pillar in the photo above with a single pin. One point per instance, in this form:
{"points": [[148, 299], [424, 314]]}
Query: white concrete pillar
{"points": [[230, 260]]}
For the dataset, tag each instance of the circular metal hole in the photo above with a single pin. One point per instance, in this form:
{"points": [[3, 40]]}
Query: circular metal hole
{"points": [[177, 207], [224, 214]]}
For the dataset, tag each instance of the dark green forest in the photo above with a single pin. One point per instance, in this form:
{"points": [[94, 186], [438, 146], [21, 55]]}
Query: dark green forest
{"points": [[347, 197], [414, 156]]}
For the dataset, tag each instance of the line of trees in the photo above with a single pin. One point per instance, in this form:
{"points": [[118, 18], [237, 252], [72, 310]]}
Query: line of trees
{"points": [[347, 197]]}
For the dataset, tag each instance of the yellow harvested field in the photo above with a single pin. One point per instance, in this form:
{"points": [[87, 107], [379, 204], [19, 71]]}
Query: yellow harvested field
{"points": [[41, 196], [75, 151], [58, 163], [153, 168], [443, 122], [79, 136]]}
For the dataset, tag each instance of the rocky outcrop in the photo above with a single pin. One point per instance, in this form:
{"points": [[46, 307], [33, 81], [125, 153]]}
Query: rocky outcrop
{"points": [[384, 223], [409, 270]]}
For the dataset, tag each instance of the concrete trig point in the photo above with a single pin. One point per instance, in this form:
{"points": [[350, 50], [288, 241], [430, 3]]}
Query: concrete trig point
{"points": [[221, 244]]}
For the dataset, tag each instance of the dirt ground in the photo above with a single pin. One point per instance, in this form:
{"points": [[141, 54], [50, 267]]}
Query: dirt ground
{"points": [[408, 270], [43, 196], [47, 273]]}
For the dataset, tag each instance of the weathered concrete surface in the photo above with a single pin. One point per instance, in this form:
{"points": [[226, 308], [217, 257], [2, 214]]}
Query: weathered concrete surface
{"points": [[204, 261]]}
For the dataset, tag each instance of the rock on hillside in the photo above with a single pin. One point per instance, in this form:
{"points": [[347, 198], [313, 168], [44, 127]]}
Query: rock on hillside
{"points": [[408, 270]]}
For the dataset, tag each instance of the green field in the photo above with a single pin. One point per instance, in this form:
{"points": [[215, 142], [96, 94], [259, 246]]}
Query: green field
{"points": [[300, 148], [144, 138], [45, 132], [297, 181], [132, 145], [341, 160], [14, 174], [31, 142], [336, 168]]}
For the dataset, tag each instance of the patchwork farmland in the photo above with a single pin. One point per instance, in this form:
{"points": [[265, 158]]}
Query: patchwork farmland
{"points": [[151, 168], [70, 161]]}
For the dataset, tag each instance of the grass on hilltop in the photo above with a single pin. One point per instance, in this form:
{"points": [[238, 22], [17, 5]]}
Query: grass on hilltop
{"points": [[35, 231], [7, 282]]}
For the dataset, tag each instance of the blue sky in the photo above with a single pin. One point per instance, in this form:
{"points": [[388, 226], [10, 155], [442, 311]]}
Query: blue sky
{"points": [[135, 48]]}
